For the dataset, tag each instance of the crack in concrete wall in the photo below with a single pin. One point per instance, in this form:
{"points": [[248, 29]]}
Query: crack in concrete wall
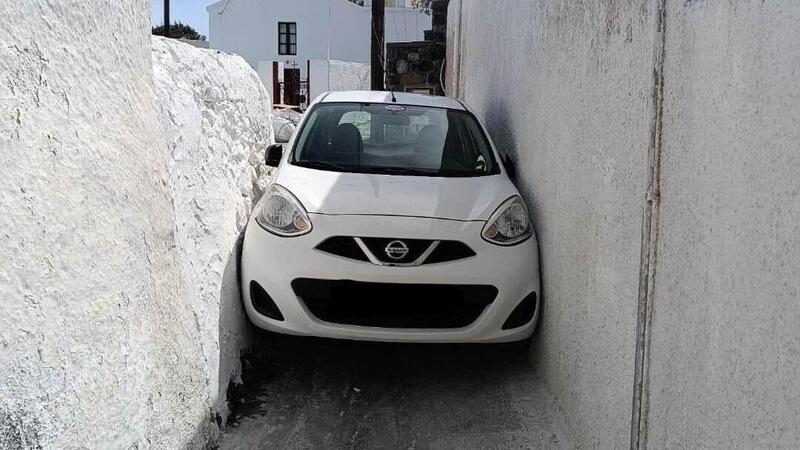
{"points": [[649, 238]]}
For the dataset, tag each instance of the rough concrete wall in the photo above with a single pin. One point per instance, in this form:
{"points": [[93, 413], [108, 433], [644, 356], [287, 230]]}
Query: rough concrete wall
{"points": [[98, 344], [574, 91], [215, 117], [565, 87], [332, 75], [725, 351]]}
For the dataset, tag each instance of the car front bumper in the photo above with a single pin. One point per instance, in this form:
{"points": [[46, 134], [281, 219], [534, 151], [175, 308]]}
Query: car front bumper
{"points": [[275, 262]]}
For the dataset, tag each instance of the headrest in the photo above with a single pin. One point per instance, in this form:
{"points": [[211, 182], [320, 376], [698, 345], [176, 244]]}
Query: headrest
{"points": [[346, 139], [430, 140]]}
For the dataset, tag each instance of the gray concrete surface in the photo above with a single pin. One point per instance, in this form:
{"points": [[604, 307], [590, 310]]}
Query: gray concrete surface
{"points": [[725, 333], [565, 87], [310, 393], [570, 88]]}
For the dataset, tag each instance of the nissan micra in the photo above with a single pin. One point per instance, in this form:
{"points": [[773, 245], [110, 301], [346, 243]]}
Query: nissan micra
{"points": [[391, 217]]}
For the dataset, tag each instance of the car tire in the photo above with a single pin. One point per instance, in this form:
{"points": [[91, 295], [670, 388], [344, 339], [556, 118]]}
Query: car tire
{"points": [[518, 348], [537, 326], [239, 249]]}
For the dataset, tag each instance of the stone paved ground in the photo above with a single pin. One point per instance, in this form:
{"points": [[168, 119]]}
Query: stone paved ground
{"points": [[313, 393]]}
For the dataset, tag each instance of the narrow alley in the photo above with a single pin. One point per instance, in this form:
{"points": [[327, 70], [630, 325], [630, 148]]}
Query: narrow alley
{"points": [[296, 224], [312, 393]]}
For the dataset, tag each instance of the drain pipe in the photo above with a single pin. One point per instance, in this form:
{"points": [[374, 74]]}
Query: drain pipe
{"points": [[649, 247]]}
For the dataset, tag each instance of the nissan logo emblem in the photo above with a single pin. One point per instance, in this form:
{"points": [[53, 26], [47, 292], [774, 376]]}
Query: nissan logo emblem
{"points": [[396, 250]]}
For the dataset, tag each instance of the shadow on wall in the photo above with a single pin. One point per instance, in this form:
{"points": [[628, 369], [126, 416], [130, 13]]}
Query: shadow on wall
{"points": [[500, 126], [206, 435], [498, 122], [236, 339], [234, 329]]}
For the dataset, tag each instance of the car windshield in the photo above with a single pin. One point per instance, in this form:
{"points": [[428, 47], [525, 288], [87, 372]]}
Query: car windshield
{"points": [[393, 139]]}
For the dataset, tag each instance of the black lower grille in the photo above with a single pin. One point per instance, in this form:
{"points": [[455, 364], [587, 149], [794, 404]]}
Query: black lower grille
{"points": [[389, 305]]}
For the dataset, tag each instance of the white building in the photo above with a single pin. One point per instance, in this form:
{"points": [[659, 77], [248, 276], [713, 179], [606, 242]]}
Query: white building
{"points": [[293, 32]]}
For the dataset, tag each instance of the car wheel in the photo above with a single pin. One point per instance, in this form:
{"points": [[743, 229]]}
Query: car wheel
{"points": [[537, 327], [518, 348]]}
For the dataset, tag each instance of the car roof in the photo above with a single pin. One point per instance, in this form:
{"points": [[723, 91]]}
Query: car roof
{"points": [[403, 98]]}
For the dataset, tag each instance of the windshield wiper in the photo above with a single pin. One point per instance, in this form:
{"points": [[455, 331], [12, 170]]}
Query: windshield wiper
{"points": [[398, 171], [322, 165], [455, 173], [424, 172]]}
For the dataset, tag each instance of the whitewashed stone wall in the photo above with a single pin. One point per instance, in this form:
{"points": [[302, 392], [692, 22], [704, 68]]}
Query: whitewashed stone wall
{"points": [[120, 320], [216, 120], [98, 343], [338, 76], [346, 76]]}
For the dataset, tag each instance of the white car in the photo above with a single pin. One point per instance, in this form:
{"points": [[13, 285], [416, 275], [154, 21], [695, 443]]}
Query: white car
{"points": [[391, 217]]}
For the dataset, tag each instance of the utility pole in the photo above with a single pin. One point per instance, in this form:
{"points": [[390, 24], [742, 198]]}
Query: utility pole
{"points": [[378, 47], [166, 18]]}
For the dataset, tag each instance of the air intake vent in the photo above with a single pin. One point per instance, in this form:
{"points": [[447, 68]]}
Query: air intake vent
{"points": [[522, 314], [449, 251], [343, 246], [263, 303]]}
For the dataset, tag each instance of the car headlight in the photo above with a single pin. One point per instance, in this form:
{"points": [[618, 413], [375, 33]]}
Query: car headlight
{"points": [[509, 224], [282, 214]]}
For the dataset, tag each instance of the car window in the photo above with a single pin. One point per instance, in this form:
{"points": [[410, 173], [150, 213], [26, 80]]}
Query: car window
{"points": [[361, 119], [388, 138]]}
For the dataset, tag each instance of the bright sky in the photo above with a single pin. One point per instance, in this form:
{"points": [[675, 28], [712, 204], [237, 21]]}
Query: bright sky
{"points": [[190, 12]]}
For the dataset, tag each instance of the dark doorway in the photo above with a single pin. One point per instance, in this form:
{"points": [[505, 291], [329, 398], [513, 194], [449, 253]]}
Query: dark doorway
{"points": [[291, 87]]}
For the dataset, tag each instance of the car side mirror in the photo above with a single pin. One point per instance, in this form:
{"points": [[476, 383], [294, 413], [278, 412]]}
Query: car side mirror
{"points": [[274, 154], [511, 169]]}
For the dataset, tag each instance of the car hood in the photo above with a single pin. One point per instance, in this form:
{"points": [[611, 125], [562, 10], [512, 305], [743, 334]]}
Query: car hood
{"points": [[326, 192]]}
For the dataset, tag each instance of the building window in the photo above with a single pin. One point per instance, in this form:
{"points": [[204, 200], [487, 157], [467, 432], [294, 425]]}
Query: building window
{"points": [[287, 38]]}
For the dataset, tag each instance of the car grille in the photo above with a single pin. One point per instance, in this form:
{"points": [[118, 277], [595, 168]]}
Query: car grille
{"points": [[345, 247], [392, 305], [449, 251], [398, 252]]}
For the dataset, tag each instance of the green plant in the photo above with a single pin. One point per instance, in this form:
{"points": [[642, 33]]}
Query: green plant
{"points": [[179, 30], [422, 5]]}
